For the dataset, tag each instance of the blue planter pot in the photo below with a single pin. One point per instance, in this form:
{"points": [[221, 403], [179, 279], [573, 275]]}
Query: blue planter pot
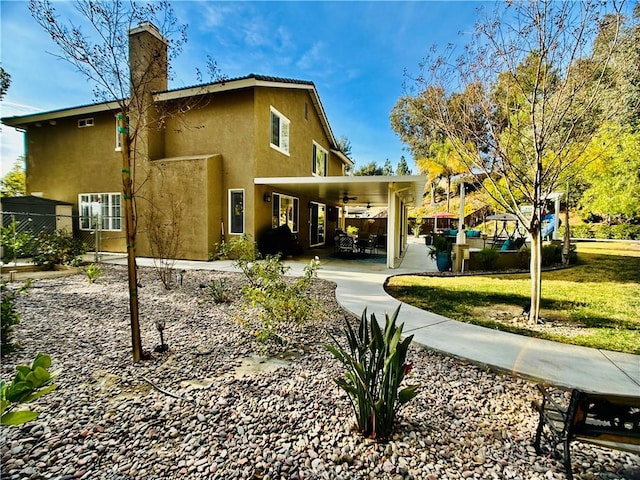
{"points": [[443, 261]]}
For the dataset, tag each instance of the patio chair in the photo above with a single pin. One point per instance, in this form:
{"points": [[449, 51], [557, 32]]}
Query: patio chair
{"points": [[344, 243], [372, 244]]}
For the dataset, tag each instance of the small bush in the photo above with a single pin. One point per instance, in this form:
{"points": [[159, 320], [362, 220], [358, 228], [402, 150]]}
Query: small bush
{"points": [[604, 232], [15, 244], [280, 301], [58, 248], [488, 258], [93, 273], [238, 248], [579, 231], [625, 231], [218, 291], [376, 366], [10, 316]]}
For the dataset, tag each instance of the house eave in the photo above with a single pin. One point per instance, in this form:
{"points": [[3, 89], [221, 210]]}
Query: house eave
{"points": [[25, 120]]}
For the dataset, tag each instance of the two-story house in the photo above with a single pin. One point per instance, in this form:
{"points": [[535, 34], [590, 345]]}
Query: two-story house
{"points": [[239, 156]]}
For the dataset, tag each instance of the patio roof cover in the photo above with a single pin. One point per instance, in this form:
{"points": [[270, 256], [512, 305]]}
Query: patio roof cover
{"points": [[371, 190]]}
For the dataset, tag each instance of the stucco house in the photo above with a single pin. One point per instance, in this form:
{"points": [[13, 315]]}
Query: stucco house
{"points": [[243, 156]]}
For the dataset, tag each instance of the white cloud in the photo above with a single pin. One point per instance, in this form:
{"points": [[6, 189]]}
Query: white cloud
{"points": [[310, 58]]}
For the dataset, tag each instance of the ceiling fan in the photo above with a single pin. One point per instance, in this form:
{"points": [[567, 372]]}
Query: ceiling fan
{"points": [[346, 198]]}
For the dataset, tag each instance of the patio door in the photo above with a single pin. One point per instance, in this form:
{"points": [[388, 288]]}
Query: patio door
{"points": [[318, 223]]}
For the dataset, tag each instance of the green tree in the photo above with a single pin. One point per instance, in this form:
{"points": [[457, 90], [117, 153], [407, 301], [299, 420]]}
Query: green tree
{"points": [[344, 144], [520, 76], [5, 82], [369, 169], [387, 169], [443, 162], [14, 184], [613, 183], [403, 167]]}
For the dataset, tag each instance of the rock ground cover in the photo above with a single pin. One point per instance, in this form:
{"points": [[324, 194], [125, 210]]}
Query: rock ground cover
{"points": [[208, 409]]}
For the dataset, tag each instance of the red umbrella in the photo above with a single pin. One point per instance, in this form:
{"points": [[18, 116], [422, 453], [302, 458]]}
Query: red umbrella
{"points": [[440, 215]]}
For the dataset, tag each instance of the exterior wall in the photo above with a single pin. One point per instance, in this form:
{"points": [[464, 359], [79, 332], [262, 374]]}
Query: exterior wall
{"points": [[222, 125], [64, 160], [193, 186]]}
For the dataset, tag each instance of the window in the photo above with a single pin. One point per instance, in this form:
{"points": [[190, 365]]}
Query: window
{"points": [[118, 138], [319, 160], [285, 211], [85, 122], [100, 211], [236, 211], [279, 131]]}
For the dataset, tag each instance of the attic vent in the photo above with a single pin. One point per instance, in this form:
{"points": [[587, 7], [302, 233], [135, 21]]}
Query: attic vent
{"points": [[85, 122]]}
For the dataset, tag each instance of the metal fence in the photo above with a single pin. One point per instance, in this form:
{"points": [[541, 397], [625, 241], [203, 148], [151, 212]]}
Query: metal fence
{"points": [[22, 233]]}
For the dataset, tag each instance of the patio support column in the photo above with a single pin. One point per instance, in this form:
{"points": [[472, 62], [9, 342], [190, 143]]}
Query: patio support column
{"points": [[392, 228]]}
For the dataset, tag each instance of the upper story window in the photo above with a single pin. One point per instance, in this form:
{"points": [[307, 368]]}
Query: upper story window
{"points": [[319, 160], [85, 122], [279, 131], [100, 211]]}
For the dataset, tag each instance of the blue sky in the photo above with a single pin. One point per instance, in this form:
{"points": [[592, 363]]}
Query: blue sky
{"points": [[356, 53]]}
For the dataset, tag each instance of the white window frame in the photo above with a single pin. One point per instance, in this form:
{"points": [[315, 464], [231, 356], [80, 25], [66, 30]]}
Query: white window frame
{"points": [[85, 122], [109, 215], [284, 131], [319, 150], [233, 191], [118, 147], [292, 220]]}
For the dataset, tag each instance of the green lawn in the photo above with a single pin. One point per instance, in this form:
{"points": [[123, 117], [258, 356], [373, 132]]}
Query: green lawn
{"points": [[595, 303]]}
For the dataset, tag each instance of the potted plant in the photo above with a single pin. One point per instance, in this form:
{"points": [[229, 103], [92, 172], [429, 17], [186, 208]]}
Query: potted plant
{"points": [[440, 251]]}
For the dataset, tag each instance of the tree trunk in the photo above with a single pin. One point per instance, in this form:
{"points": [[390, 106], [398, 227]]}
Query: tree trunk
{"points": [[536, 275], [127, 193], [448, 192]]}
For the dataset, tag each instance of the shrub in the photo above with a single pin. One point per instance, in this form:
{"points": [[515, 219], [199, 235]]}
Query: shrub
{"points": [[376, 366], [579, 231], [15, 244], [488, 258], [238, 248], [58, 248], [28, 384], [93, 273], [218, 292], [280, 301], [604, 232], [10, 316], [625, 231]]}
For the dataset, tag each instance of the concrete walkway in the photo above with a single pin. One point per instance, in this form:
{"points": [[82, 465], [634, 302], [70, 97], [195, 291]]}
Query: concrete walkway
{"points": [[360, 286]]}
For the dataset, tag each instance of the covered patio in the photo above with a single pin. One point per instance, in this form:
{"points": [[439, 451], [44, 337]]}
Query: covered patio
{"points": [[395, 193]]}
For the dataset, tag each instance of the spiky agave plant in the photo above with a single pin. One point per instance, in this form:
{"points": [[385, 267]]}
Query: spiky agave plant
{"points": [[376, 365]]}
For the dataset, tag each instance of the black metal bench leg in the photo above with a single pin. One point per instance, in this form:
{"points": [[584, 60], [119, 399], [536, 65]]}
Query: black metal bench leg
{"points": [[536, 443], [567, 459]]}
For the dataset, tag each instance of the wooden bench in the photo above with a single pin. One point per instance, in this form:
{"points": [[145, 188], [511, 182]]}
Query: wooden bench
{"points": [[611, 421]]}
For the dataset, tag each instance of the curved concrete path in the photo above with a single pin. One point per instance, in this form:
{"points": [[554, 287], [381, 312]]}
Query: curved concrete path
{"points": [[360, 286]]}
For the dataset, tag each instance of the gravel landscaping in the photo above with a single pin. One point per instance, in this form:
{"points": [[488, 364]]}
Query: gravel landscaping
{"points": [[212, 408]]}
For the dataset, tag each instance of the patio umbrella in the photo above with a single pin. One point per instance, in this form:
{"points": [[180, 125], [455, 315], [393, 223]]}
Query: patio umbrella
{"points": [[440, 215]]}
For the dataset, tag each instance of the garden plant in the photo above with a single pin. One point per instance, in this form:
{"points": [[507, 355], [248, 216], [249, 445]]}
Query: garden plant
{"points": [[28, 384], [376, 364]]}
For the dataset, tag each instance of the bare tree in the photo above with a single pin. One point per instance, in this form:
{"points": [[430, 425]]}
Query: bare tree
{"points": [[163, 231], [126, 77], [520, 103]]}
